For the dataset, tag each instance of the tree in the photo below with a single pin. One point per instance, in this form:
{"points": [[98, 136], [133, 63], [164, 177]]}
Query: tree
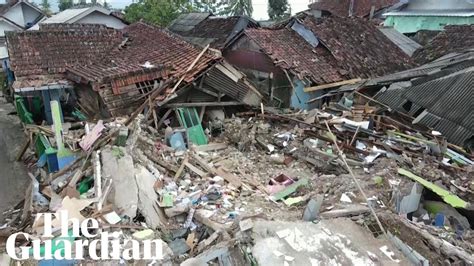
{"points": [[277, 9], [64, 4], [158, 12], [46, 7], [106, 5], [238, 8], [211, 6]]}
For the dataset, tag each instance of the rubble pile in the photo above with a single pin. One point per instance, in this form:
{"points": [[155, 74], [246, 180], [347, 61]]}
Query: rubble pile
{"points": [[261, 167]]}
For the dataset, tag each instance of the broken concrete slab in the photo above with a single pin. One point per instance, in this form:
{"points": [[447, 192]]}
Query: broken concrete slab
{"points": [[148, 199], [349, 210], [117, 164], [339, 241]]}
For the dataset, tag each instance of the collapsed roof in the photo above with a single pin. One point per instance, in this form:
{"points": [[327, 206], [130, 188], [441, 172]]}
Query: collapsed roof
{"points": [[427, 92], [330, 49], [454, 38], [122, 66]]}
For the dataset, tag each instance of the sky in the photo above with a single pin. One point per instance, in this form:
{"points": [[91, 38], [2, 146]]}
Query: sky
{"points": [[259, 6]]}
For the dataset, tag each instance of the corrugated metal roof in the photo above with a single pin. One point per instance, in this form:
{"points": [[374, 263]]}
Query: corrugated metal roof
{"points": [[407, 45], [455, 61], [444, 95]]}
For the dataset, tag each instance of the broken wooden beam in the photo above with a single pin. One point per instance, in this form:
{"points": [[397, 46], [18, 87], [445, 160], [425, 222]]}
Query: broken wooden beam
{"points": [[332, 85], [201, 104]]}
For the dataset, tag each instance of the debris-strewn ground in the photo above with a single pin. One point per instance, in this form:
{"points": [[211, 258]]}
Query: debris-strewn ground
{"points": [[259, 175]]}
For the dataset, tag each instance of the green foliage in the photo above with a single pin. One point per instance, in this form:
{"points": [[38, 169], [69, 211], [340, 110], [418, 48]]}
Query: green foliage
{"points": [[211, 6], [158, 12], [238, 8], [277, 9], [64, 4], [46, 7]]}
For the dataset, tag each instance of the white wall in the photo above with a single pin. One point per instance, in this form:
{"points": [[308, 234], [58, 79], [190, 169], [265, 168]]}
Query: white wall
{"points": [[100, 18], [4, 26], [439, 4]]}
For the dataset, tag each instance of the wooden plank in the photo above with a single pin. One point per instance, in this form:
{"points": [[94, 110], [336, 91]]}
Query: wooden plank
{"points": [[197, 104], [229, 177], [331, 85], [211, 147], [181, 168], [227, 73], [195, 169]]}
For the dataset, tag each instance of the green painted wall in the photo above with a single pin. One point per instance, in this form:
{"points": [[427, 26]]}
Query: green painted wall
{"points": [[412, 24]]}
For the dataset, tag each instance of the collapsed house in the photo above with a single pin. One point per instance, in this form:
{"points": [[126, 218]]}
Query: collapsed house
{"points": [[112, 71], [369, 189], [205, 28], [294, 62]]}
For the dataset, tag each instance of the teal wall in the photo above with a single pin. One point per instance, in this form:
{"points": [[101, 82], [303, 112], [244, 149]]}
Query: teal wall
{"points": [[412, 24], [299, 98]]}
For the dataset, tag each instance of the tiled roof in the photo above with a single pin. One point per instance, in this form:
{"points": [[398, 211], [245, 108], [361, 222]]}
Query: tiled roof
{"points": [[358, 46], [187, 21], [452, 39], [50, 51], [151, 44], [212, 30], [290, 51], [341, 7]]}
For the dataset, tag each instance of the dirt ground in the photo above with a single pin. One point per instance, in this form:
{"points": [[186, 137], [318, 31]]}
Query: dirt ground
{"points": [[13, 175]]}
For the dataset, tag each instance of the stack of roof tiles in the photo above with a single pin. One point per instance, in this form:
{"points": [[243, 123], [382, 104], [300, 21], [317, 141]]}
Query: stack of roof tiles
{"points": [[361, 8], [455, 38]]}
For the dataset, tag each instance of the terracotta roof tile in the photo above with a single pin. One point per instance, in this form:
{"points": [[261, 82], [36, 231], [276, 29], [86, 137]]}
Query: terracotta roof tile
{"points": [[358, 46], [51, 51], [290, 51], [452, 39], [147, 43]]}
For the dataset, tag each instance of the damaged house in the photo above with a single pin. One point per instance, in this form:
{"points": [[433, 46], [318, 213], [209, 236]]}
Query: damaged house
{"points": [[295, 62], [109, 72], [205, 28]]}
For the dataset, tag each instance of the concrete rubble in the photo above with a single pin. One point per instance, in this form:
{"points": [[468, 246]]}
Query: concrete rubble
{"points": [[230, 200]]}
